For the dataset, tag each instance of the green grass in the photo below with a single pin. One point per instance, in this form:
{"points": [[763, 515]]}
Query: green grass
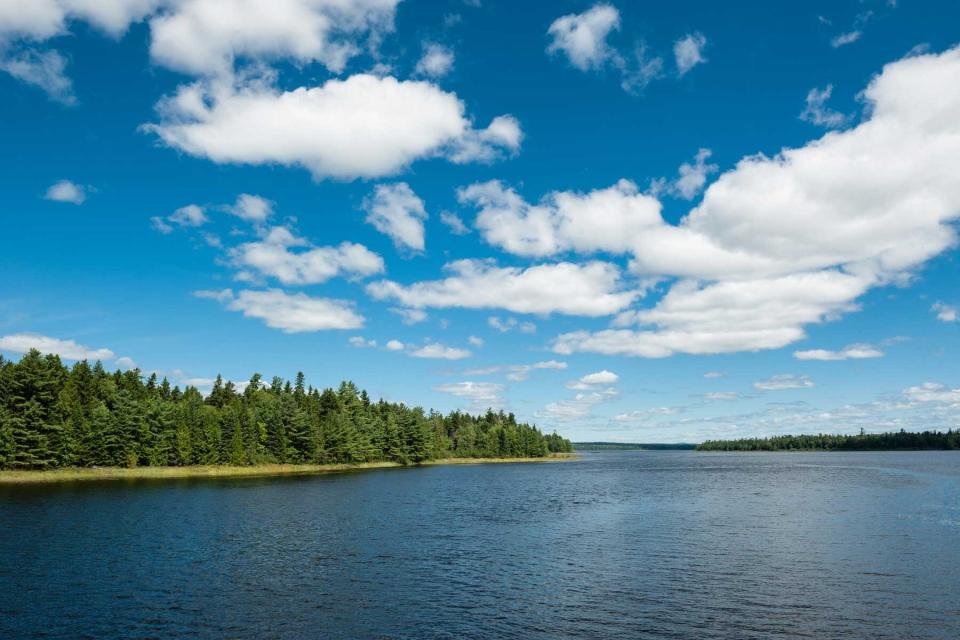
{"points": [[74, 474]]}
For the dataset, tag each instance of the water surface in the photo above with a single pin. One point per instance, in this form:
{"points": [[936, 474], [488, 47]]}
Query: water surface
{"points": [[616, 545]]}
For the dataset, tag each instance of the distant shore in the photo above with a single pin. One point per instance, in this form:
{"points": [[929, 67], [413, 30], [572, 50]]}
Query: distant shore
{"points": [[77, 474]]}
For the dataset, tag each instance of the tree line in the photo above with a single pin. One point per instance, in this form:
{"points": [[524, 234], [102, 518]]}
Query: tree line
{"points": [[824, 442], [82, 416]]}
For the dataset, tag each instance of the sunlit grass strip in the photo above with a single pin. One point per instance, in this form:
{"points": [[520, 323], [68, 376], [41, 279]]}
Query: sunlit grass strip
{"points": [[225, 471]]}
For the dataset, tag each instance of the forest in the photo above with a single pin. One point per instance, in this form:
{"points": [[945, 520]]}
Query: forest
{"points": [[82, 416], [823, 442]]}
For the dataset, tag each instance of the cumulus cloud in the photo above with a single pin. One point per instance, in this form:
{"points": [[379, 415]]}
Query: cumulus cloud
{"points": [[593, 380], [361, 343], [191, 215], [945, 312], [503, 325], [480, 395], [857, 351], [289, 312], [66, 191], [779, 243], [409, 316], [690, 180], [454, 223], [199, 37], [591, 289], [475, 341], [601, 220], [207, 36], [933, 392], [436, 62], [395, 345], [783, 381], [438, 351], [576, 408], [688, 52], [517, 372], [251, 208], [582, 37], [291, 260], [67, 349], [395, 210], [45, 70], [363, 126], [817, 112]]}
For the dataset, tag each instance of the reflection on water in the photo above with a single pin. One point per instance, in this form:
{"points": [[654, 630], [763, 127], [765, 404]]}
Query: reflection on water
{"points": [[616, 545]]}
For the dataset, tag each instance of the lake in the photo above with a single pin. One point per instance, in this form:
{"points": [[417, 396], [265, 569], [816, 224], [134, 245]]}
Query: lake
{"points": [[615, 545]]}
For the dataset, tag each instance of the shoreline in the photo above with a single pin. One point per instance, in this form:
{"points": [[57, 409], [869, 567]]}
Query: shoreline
{"points": [[82, 474]]}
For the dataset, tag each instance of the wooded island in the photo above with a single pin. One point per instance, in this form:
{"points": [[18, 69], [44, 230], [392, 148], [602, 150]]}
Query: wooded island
{"points": [[52, 416], [824, 442]]}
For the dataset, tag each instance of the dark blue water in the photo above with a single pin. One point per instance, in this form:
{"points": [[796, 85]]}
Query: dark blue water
{"points": [[617, 545]]}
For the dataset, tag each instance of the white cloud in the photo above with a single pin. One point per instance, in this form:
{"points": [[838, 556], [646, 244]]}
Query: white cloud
{"points": [[362, 126], [480, 395], [690, 180], [439, 351], [818, 113], [721, 395], [251, 208], [275, 255], [713, 374], [933, 392], [201, 37], [601, 220], [688, 52], [845, 38], [45, 70], [222, 295], [583, 37], [783, 381], [517, 372], [590, 381], [454, 223], [206, 36], [576, 408], [503, 325], [290, 312], [66, 191], [591, 289], [361, 343], [42, 19], [501, 137], [600, 377], [857, 351], [409, 316], [395, 210], [779, 243], [945, 312], [641, 71], [126, 362], [642, 415], [189, 216], [475, 341], [436, 62], [395, 345], [67, 349]]}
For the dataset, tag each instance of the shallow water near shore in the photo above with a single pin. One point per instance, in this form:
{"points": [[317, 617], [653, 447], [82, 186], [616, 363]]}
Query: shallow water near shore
{"points": [[617, 544]]}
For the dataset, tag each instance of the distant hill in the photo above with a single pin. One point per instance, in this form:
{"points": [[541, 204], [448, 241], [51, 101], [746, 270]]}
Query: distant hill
{"points": [[633, 446]]}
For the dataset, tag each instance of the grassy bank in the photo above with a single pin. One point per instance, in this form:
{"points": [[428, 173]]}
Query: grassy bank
{"points": [[224, 471]]}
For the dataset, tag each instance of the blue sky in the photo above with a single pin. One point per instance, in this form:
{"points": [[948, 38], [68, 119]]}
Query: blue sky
{"points": [[626, 221]]}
